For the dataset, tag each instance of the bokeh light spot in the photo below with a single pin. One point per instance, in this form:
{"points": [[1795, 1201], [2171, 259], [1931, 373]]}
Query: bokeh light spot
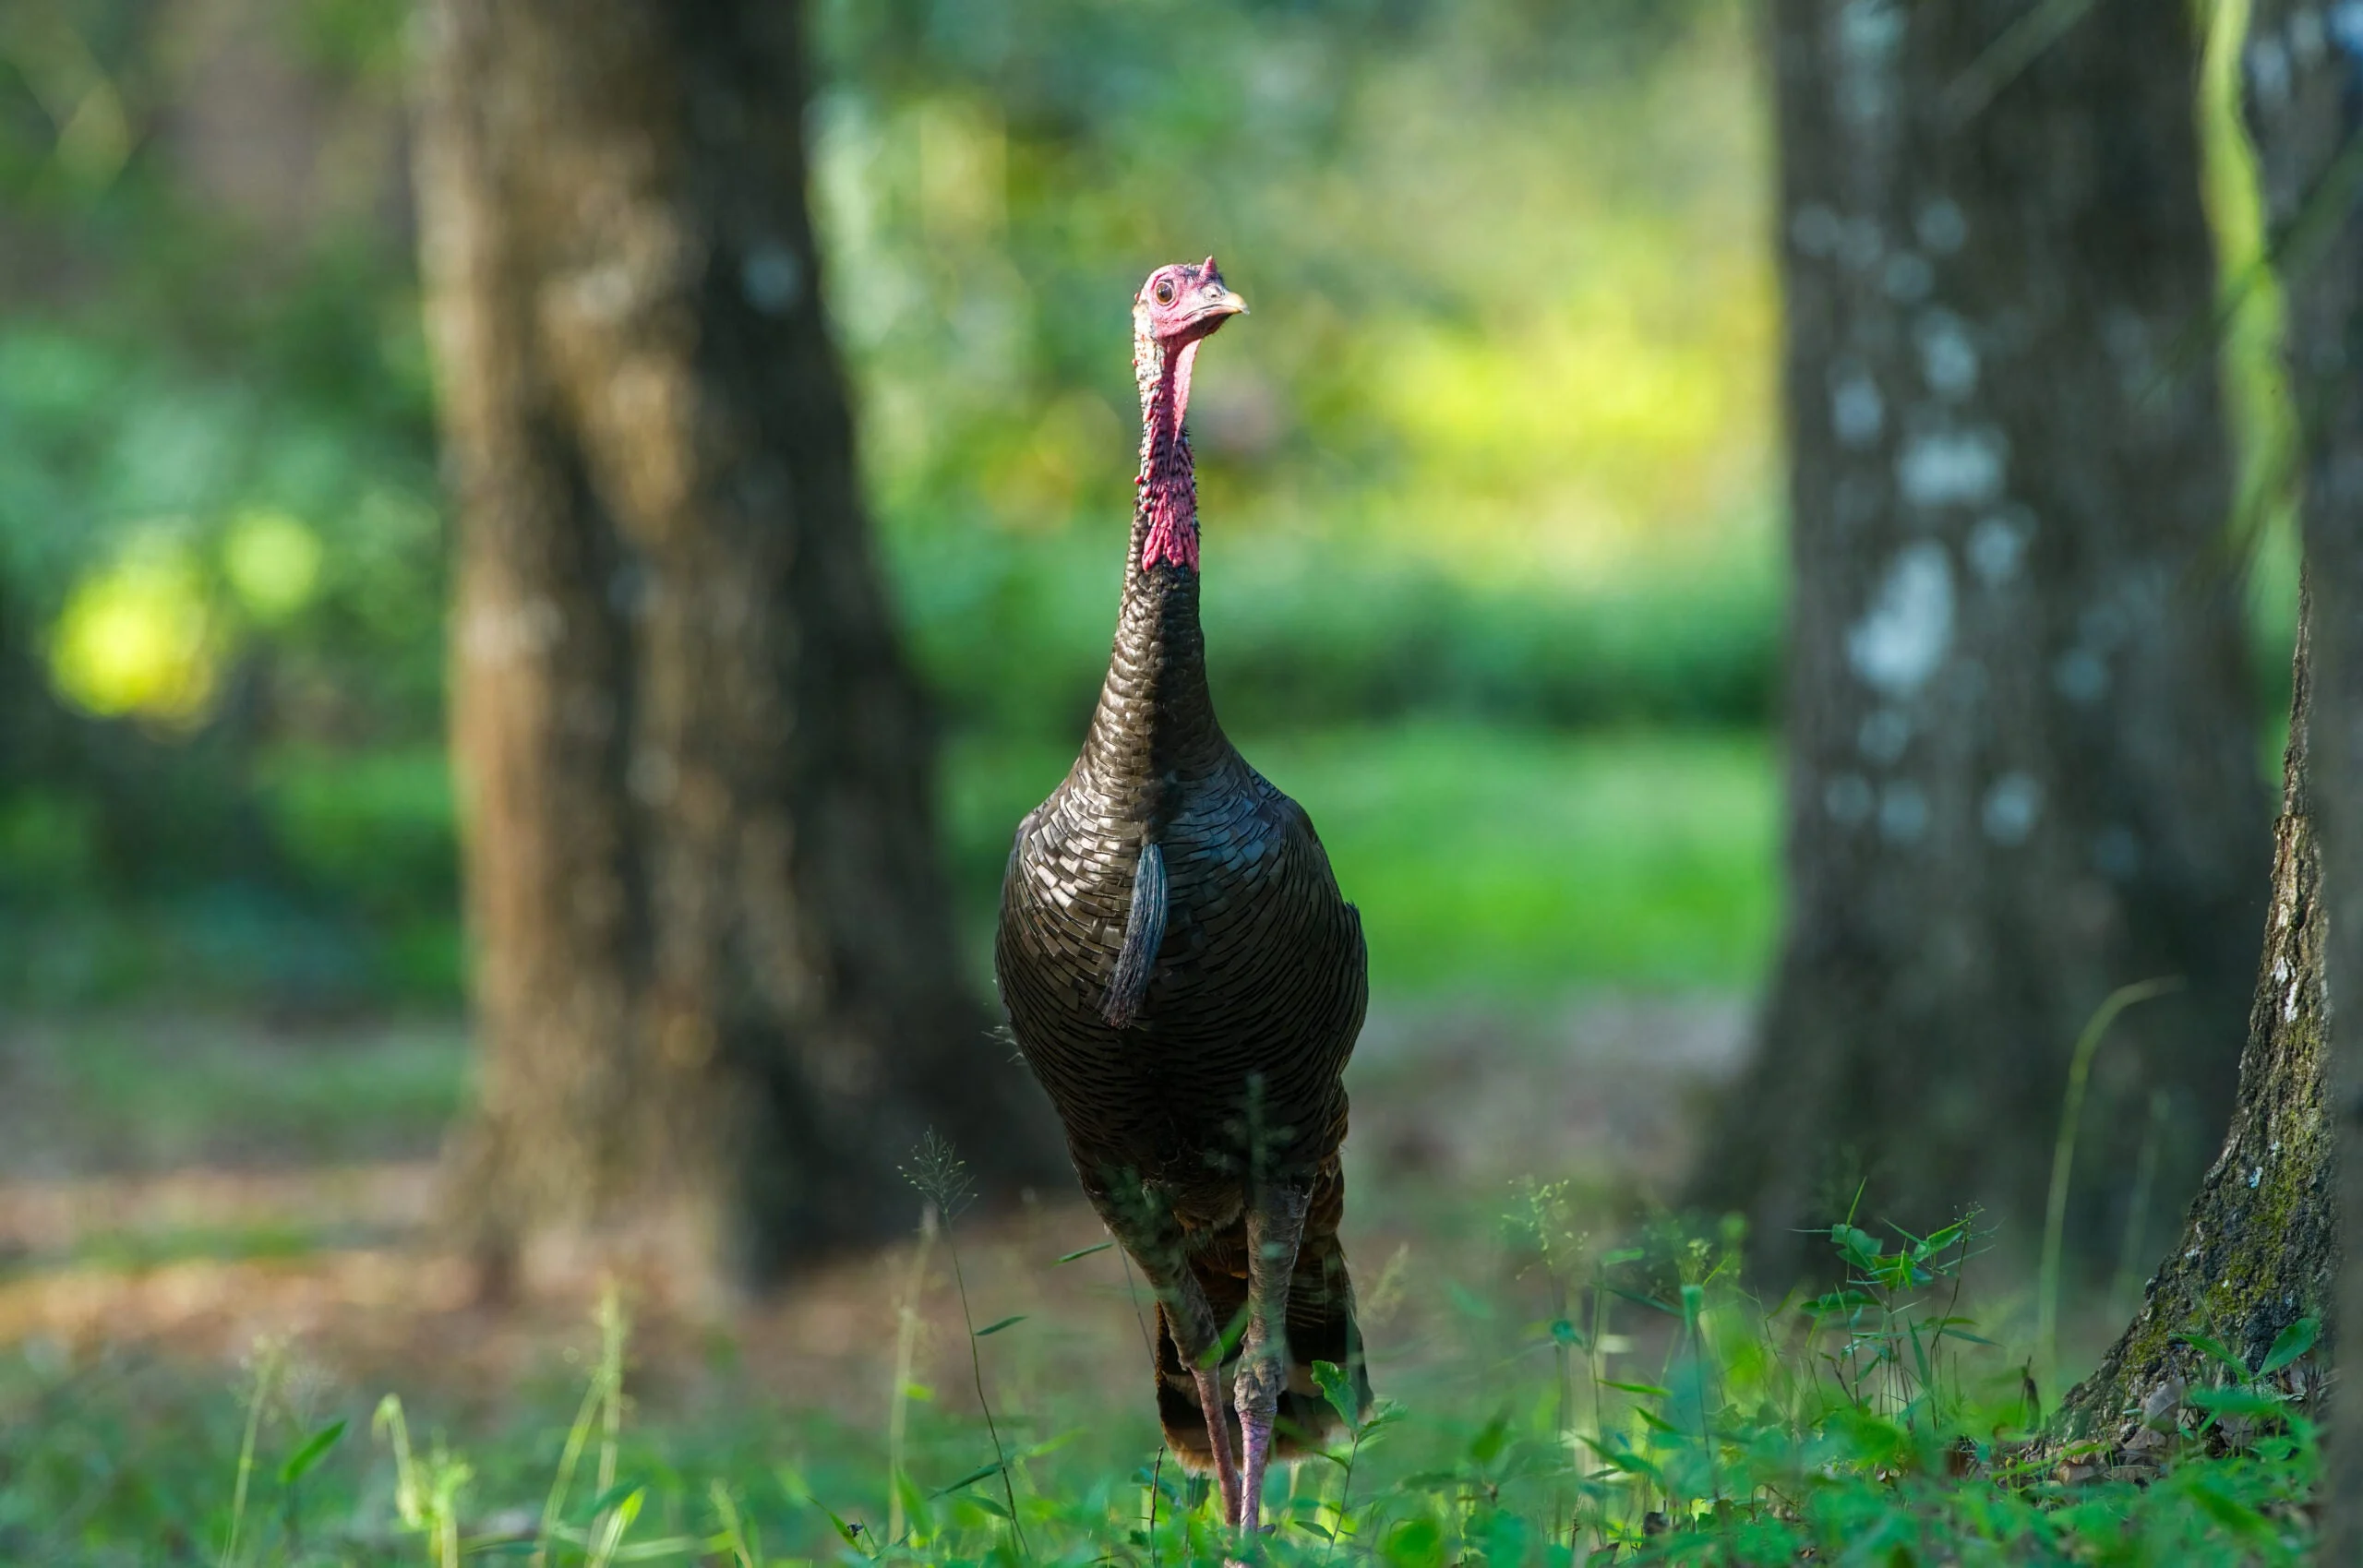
{"points": [[135, 638], [273, 562]]}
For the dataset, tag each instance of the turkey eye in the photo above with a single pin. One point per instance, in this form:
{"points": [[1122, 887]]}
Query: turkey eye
{"points": [[1165, 290]]}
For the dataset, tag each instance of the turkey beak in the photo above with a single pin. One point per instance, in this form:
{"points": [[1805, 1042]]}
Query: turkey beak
{"points": [[1216, 302]]}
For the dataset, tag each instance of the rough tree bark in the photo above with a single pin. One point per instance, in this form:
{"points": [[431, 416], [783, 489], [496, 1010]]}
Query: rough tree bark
{"points": [[717, 988], [2303, 80], [2258, 1249], [2271, 1237], [2330, 364], [2021, 769]]}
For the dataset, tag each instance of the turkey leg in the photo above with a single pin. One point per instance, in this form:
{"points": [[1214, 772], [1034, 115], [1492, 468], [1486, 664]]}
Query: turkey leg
{"points": [[1275, 1229], [1200, 1342]]}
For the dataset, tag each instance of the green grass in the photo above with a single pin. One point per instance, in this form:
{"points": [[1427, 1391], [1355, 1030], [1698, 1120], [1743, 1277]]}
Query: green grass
{"points": [[1492, 859], [152, 1091], [1584, 1398], [1549, 1387]]}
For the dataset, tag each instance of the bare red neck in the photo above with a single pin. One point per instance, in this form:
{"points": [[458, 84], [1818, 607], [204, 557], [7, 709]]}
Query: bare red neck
{"points": [[1168, 485]]}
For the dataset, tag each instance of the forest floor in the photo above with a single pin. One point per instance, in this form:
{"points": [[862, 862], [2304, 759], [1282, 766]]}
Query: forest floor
{"points": [[189, 1186], [220, 1255], [186, 1199]]}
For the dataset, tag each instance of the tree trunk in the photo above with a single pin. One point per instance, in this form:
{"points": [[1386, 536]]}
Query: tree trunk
{"points": [[2334, 560], [2273, 1237], [2022, 767], [2302, 69], [2258, 1250], [717, 988]]}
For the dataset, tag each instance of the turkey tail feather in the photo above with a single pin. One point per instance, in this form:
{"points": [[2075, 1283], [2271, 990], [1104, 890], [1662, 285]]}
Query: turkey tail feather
{"points": [[1144, 934], [1321, 1328]]}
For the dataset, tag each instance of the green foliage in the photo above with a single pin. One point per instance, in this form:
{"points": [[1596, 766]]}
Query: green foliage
{"points": [[1447, 476], [1862, 1426], [1462, 842], [1507, 463], [1473, 357], [216, 525], [1016, 634]]}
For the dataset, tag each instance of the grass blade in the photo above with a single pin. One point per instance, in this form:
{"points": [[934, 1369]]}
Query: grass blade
{"points": [[315, 1449]]}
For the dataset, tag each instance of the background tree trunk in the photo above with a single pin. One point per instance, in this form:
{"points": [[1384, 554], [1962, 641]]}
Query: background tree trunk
{"points": [[2021, 753], [717, 988]]}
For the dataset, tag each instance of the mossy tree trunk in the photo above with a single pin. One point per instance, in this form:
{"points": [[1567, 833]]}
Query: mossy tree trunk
{"points": [[716, 987], [2259, 1249], [2273, 1235], [2022, 767], [2304, 78], [2334, 558]]}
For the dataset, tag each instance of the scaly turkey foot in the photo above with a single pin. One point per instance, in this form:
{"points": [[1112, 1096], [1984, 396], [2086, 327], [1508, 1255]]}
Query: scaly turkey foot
{"points": [[1211, 1401]]}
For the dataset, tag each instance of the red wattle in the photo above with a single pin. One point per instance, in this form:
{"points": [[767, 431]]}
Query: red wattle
{"points": [[1169, 542], [1169, 489]]}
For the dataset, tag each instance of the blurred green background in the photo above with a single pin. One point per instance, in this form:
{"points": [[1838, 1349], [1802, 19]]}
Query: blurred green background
{"points": [[1490, 478], [1493, 586]]}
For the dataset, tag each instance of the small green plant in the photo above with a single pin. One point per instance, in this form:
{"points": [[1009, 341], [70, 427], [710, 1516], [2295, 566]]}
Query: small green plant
{"points": [[1337, 1389], [270, 1363], [2245, 1403], [1886, 1351], [942, 1177], [2063, 1157], [427, 1492], [743, 1541], [602, 1404], [905, 1389]]}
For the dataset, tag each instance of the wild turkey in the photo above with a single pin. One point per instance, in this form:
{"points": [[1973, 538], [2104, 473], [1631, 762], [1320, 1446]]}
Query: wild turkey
{"points": [[1184, 978]]}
